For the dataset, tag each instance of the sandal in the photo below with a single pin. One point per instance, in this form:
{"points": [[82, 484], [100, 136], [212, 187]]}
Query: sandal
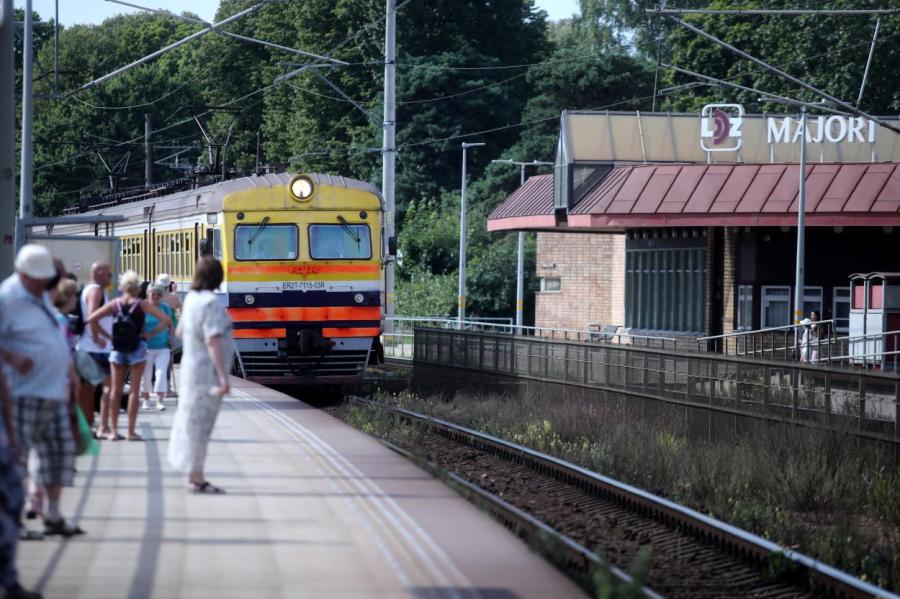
{"points": [[135, 437], [26, 534], [205, 488], [113, 437], [61, 527]]}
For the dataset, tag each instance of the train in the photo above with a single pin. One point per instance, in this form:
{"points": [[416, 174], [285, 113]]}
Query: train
{"points": [[303, 256]]}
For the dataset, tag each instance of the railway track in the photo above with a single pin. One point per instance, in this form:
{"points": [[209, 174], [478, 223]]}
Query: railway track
{"points": [[591, 520]]}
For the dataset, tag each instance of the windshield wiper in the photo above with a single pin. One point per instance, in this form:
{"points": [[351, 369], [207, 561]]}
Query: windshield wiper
{"points": [[258, 231], [346, 227]]}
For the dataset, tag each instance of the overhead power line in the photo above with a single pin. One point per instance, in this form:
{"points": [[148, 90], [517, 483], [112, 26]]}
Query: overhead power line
{"points": [[787, 12]]}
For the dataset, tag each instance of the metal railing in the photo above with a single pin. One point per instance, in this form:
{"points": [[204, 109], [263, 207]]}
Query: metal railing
{"points": [[399, 344], [858, 400], [877, 350]]}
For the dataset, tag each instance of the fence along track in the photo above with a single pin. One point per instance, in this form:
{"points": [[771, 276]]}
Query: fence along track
{"points": [[862, 403], [737, 543]]}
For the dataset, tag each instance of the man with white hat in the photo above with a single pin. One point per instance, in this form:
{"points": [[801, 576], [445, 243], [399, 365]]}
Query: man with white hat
{"points": [[169, 298], [43, 386]]}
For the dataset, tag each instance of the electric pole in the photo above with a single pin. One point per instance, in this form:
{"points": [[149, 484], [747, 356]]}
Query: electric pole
{"points": [[8, 139], [389, 155], [25, 182]]}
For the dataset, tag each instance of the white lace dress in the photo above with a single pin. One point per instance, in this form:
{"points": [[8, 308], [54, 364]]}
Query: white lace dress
{"points": [[202, 318]]}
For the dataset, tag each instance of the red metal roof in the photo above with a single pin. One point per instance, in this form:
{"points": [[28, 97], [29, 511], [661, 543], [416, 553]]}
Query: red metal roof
{"points": [[727, 195], [528, 207]]}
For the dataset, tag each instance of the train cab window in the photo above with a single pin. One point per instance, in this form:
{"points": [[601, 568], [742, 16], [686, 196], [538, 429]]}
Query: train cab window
{"points": [[262, 241], [344, 241]]}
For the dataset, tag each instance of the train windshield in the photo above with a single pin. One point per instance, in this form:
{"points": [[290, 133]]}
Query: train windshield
{"points": [[263, 241], [343, 241]]}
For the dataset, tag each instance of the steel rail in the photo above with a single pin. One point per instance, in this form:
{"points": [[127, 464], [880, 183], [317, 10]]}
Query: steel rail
{"points": [[576, 557], [740, 542]]}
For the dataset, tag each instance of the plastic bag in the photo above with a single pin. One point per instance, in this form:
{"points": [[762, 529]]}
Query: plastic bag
{"points": [[86, 441]]}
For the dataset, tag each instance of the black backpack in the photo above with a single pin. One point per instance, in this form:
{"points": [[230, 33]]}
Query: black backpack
{"points": [[126, 336]]}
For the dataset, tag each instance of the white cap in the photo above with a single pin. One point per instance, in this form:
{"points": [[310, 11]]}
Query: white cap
{"points": [[806, 321], [164, 280], [35, 261]]}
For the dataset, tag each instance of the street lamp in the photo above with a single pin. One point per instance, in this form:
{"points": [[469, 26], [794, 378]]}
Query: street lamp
{"points": [[520, 260], [461, 296], [799, 283]]}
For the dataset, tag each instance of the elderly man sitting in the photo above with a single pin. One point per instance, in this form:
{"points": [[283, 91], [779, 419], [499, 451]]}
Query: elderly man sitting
{"points": [[42, 380]]}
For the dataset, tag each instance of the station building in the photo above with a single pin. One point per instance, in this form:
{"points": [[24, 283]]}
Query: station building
{"points": [[686, 224]]}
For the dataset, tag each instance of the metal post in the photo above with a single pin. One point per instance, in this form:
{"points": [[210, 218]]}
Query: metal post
{"points": [[862, 86], [7, 139], [801, 229], [461, 295], [389, 153], [27, 164], [148, 153]]}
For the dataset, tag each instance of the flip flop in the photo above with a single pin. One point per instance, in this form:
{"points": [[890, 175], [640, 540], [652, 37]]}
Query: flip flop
{"points": [[26, 534], [205, 488], [135, 437], [61, 527], [111, 437]]}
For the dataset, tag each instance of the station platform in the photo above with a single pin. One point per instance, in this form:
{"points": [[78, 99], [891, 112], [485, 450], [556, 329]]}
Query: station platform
{"points": [[313, 508]]}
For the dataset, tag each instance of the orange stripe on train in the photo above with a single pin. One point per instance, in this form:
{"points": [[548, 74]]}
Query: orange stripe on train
{"points": [[300, 269], [259, 333], [305, 314], [326, 332]]}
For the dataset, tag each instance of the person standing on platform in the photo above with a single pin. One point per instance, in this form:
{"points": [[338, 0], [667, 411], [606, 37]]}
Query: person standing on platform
{"points": [[159, 338], [206, 332], [129, 351], [12, 498], [95, 341], [169, 298], [40, 391]]}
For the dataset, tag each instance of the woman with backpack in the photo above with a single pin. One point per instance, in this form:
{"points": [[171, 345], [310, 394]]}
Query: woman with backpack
{"points": [[129, 351]]}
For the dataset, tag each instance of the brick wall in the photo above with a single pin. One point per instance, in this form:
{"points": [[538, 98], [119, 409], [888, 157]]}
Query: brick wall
{"points": [[591, 270]]}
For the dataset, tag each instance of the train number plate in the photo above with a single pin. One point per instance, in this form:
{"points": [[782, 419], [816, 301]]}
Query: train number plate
{"points": [[303, 285]]}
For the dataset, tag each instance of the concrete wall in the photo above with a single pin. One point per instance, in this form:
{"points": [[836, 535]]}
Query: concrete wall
{"points": [[591, 269]]}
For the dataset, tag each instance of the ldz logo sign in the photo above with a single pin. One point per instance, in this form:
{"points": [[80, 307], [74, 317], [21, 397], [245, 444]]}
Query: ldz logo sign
{"points": [[720, 127]]}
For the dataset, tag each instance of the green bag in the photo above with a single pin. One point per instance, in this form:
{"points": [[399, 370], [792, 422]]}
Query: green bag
{"points": [[86, 441]]}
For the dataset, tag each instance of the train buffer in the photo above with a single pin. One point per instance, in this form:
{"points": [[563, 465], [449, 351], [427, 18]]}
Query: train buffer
{"points": [[313, 508]]}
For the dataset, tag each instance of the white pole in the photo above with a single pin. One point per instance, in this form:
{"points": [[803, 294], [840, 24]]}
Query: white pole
{"points": [[8, 139], [461, 314], [27, 166], [520, 268], [389, 154], [461, 295], [801, 219]]}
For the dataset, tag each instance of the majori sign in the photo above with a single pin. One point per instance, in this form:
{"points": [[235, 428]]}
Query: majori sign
{"points": [[835, 129], [723, 133]]}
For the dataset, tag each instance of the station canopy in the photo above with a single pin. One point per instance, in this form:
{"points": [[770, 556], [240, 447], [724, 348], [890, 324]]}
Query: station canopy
{"points": [[629, 170]]}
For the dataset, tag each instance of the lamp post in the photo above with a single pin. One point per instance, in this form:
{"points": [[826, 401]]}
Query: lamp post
{"points": [[520, 259], [461, 296], [799, 272]]}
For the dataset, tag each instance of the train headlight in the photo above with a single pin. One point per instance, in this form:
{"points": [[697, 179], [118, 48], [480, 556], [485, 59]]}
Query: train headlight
{"points": [[301, 188], [249, 300], [359, 298]]}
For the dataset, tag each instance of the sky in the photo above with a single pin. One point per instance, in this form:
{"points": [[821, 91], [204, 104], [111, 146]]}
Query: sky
{"points": [[94, 11]]}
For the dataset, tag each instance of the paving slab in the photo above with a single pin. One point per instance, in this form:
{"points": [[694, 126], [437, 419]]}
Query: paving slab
{"points": [[314, 508]]}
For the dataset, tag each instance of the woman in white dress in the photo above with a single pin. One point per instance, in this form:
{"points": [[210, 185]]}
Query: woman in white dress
{"points": [[206, 332]]}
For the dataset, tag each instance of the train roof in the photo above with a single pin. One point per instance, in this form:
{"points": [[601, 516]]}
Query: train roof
{"points": [[209, 198]]}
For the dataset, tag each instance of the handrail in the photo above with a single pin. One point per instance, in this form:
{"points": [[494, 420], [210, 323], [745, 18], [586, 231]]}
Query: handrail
{"points": [[762, 331]]}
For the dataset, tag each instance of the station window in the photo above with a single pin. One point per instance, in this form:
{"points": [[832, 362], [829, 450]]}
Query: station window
{"points": [[840, 309], [665, 289], [551, 285], [745, 308], [776, 306], [812, 301]]}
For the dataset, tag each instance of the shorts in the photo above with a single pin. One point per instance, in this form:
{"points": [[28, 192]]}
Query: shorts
{"points": [[102, 360], [44, 425], [131, 358]]}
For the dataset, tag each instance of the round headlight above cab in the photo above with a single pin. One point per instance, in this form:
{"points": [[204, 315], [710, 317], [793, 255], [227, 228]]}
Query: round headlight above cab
{"points": [[301, 188]]}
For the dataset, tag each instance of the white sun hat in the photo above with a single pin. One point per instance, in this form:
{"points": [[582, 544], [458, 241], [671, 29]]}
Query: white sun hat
{"points": [[164, 280], [35, 261], [806, 322]]}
